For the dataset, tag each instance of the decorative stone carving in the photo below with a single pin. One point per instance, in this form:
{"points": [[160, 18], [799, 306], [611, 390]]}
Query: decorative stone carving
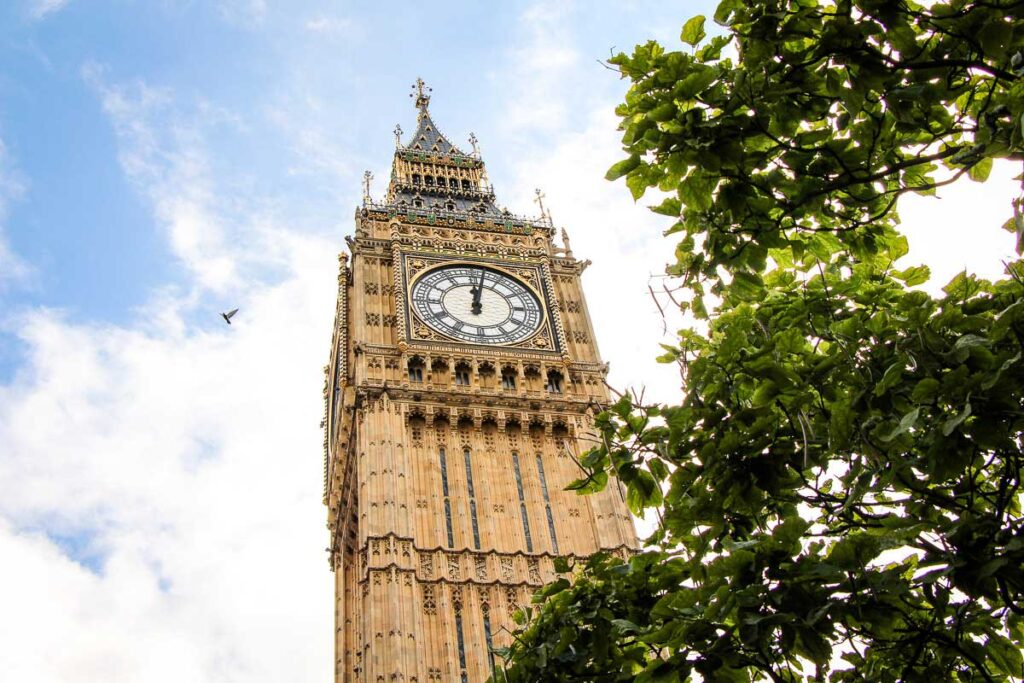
{"points": [[533, 567], [454, 572], [429, 600]]}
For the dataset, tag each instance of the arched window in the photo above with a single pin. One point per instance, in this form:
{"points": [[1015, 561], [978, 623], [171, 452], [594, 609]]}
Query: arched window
{"points": [[465, 184], [447, 499], [554, 385], [472, 496], [522, 502], [415, 370], [485, 374], [508, 378], [416, 179], [547, 503], [462, 374], [532, 376]]}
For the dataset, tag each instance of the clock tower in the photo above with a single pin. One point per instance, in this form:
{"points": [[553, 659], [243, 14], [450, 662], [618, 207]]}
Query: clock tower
{"points": [[461, 389]]}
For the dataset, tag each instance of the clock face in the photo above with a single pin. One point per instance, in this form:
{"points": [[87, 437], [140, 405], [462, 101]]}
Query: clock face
{"points": [[476, 304]]}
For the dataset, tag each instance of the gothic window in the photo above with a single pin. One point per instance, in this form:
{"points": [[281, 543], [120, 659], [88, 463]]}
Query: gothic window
{"points": [[429, 180], [554, 385], [547, 504], [472, 497], [450, 206], [485, 374], [453, 183], [490, 643], [522, 503], [438, 371], [462, 375], [417, 202], [532, 376], [508, 379], [462, 646], [465, 184], [416, 370], [416, 179], [447, 500]]}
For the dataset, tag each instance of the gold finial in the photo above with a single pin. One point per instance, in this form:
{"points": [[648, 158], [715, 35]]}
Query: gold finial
{"points": [[473, 141], [420, 91], [398, 135], [367, 177]]}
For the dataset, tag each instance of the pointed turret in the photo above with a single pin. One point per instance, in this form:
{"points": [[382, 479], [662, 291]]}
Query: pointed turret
{"points": [[429, 172]]}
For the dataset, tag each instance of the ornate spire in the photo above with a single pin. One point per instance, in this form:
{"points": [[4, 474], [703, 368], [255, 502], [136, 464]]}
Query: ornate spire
{"points": [[398, 135], [419, 92], [367, 177]]}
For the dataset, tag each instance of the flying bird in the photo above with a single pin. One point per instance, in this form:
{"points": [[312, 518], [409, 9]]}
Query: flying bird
{"points": [[227, 316]]}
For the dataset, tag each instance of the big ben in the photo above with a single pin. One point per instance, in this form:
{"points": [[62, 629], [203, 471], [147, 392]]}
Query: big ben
{"points": [[463, 381]]}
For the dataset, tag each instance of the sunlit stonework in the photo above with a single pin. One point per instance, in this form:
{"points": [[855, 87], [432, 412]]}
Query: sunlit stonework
{"points": [[462, 385]]}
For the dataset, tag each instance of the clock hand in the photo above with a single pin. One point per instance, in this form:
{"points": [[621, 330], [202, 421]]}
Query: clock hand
{"points": [[477, 307]]}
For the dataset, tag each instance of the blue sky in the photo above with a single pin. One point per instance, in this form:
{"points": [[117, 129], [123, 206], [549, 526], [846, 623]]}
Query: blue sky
{"points": [[340, 77], [163, 160]]}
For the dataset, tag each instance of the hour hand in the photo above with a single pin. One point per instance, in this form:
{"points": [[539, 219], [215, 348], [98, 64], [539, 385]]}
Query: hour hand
{"points": [[477, 292]]}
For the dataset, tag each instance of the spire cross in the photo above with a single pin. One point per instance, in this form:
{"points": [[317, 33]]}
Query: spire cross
{"points": [[398, 135], [473, 141], [420, 90], [367, 177], [540, 201]]}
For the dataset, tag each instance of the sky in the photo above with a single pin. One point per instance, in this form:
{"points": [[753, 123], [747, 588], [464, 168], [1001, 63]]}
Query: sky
{"points": [[164, 160]]}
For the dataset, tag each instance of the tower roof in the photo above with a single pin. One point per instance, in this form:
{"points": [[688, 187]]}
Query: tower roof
{"points": [[430, 172], [427, 137]]}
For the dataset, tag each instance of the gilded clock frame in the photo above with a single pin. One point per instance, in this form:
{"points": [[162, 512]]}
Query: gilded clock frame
{"points": [[434, 260]]}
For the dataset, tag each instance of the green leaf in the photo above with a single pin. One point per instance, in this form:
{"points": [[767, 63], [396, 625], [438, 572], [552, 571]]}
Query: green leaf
{"points": [[906, 423], [979, 171], [693, 31], [925, 390], [623, 167], [1006, 655], [954, 422], [916, 275], [695, 83]]}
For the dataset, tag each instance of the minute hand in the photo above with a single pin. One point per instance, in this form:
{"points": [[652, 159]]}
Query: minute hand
{"points": [[477, 292]]}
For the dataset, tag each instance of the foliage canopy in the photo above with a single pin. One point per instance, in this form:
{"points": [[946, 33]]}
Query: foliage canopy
{"points": [[838, 493]]}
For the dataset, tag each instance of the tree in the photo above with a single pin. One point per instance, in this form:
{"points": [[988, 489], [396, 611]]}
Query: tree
{"points": [[838, 493]]}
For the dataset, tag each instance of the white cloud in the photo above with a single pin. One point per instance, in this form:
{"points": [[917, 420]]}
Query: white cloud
{"points": [[161, 516], [623, 240], [540, 70], [960, 228], [248, 13], [190, 464], [40, 9], [163, 152], [329, 26]]}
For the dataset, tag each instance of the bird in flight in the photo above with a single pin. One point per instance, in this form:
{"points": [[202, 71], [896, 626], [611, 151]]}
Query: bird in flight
{"points": [[227, 316]]}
